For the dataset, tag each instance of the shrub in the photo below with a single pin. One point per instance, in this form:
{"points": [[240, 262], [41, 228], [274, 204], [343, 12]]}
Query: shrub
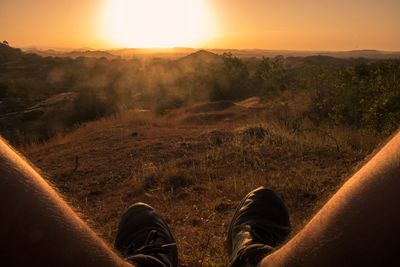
{"points": [[230, 81], [88, 106], [363, 96], [176, 182], [166, 105]]}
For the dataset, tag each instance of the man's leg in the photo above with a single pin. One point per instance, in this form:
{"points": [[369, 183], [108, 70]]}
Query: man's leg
{"points": [[360, 224], [37, 227]]}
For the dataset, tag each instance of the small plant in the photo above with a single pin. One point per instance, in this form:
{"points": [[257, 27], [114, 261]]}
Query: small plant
{"points": [[257, 132], [176, 182]]}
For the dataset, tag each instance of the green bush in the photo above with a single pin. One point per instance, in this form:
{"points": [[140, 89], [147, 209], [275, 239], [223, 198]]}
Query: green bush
{"points": [[362, 96], [230, 81], [88, 106]]}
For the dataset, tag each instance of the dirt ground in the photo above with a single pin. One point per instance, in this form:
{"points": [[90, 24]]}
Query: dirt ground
{"points": [[194, 168]]}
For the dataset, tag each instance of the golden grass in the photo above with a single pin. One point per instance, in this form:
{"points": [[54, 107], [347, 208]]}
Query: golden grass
{"points": [[195, 175]]}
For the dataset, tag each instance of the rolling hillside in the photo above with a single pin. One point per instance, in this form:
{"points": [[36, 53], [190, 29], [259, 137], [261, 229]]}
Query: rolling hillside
{"points": [[193, 167]]}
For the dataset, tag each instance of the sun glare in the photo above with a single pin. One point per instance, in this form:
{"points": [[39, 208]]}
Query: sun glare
{"points": [[157, 23]]}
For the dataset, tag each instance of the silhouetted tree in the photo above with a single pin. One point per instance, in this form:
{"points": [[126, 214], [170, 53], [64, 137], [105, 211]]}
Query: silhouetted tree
{"points": [[231, 81]]}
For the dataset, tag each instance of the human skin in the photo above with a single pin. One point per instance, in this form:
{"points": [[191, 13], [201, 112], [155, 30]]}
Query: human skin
{"points": [[359, 225], [38, 228]]}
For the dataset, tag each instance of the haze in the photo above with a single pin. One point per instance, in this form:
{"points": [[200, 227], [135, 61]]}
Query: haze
{"points": [[268, 24]]}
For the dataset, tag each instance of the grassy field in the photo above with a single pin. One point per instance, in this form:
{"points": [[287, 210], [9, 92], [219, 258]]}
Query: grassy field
{"points": [[194, 166]]}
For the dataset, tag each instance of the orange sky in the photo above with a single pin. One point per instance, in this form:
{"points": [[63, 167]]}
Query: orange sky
{"points": [[269, 24]]}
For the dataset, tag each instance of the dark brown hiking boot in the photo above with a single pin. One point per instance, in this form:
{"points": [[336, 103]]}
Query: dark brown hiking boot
{"points": [[144, 238], [260, 224]]}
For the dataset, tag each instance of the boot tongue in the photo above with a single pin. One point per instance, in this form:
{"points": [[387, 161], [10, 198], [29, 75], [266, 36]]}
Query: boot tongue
{"points": [[251, 255], [152, 248], [248, 248], [243, 238]]}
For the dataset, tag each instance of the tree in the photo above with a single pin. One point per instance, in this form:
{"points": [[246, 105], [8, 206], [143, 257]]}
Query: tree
{"points": [[268, 75], [262, 74], [231, 81]]}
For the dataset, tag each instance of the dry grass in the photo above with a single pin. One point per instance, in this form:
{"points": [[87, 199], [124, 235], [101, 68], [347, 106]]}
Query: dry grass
{"points": [[196, 174]]}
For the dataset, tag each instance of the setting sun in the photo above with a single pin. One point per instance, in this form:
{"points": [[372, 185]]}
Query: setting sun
{"points": [[157, 23]]}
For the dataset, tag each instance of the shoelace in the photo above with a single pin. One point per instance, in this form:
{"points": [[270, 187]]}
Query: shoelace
{"points": [[150, 247], [251, 255], [260, 246], [272, 238]]}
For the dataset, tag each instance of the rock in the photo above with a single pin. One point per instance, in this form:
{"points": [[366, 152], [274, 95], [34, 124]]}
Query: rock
{"points": [[223, 207]]}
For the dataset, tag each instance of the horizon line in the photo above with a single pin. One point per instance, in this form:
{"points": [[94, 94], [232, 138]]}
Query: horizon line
{"points": [[80, 49]]}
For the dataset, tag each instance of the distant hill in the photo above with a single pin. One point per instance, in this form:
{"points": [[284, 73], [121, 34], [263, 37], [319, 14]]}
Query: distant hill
{"points": [[248, 53], [94, 54], [8, 53], [175, 52], [200, 56], [201, 59], [73, 54], [370, 54], [179, 52]]}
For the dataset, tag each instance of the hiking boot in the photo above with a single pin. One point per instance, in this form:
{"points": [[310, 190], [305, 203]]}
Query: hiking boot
{"points": [[260, 224], [144, 238]]}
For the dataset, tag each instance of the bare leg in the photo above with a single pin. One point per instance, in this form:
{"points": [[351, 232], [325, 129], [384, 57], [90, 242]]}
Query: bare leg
{"points": [[37, 227], [359, 226]]}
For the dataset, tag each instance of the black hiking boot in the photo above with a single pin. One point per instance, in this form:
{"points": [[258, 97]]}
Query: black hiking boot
{"points": [[144, 238], [260, 224]]}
